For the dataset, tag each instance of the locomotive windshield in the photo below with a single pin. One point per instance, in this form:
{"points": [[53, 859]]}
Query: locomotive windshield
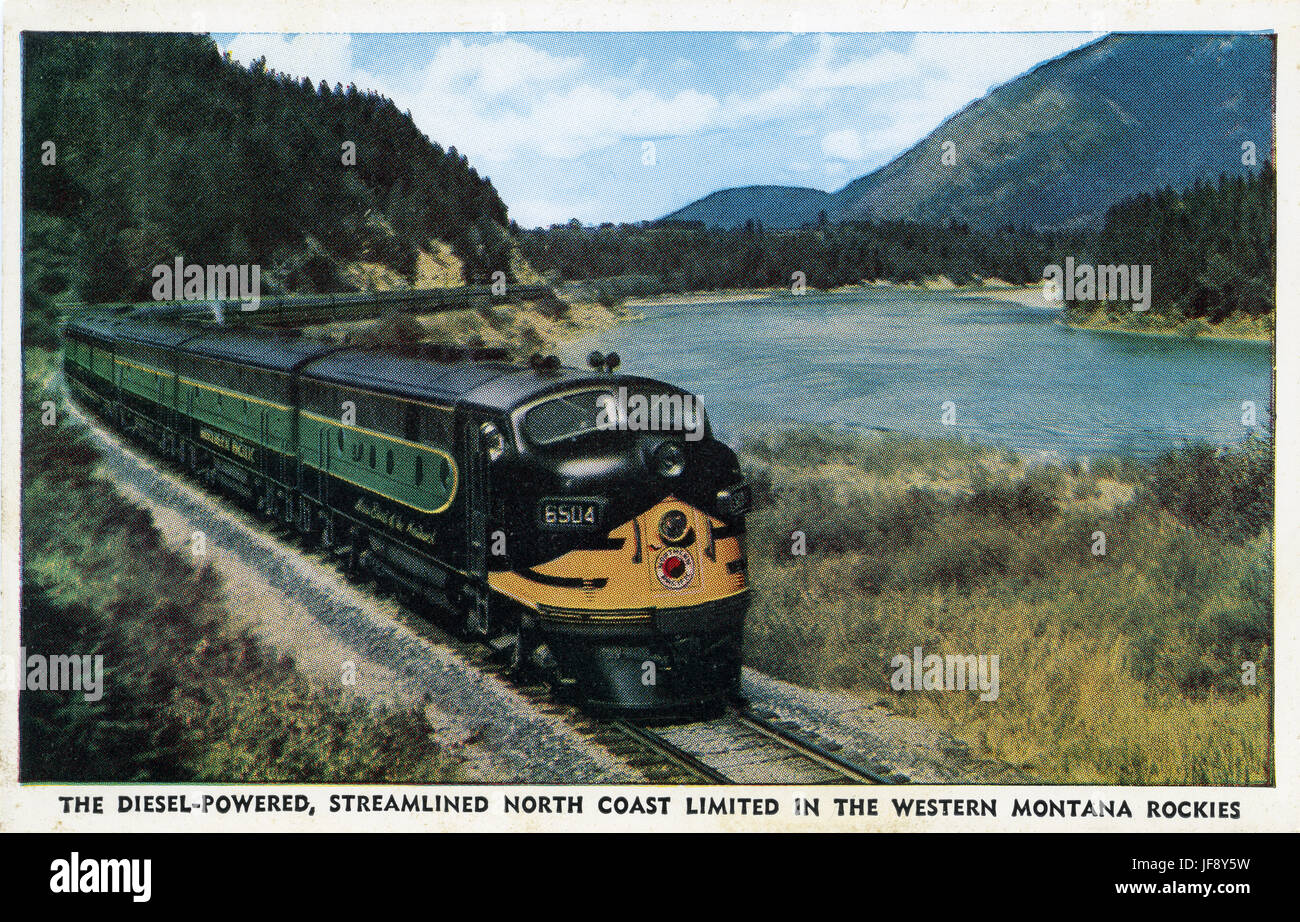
{"points": [[568, 416], [565, 417]]}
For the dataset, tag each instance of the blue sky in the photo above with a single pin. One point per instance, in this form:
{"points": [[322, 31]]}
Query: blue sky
{"points": [[560, 121]]}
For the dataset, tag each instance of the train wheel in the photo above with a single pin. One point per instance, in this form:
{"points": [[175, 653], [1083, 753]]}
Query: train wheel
{"points": [[307, 523]]}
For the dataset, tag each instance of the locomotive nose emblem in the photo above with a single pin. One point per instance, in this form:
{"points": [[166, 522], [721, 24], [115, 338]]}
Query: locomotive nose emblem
{"points": [[675, 567]]}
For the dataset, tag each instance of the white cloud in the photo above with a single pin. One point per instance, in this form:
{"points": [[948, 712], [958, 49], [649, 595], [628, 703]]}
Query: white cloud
{"points": [[494, 69], [500, 99], [506, 103], [843, 145], [978, 65], [877, 69], [775, 43], [320, 56], [503, 99], [932, 79]]}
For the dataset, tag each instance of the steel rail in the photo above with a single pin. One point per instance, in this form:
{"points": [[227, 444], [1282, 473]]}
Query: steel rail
{"points": [[811, 750], [666, 750]]}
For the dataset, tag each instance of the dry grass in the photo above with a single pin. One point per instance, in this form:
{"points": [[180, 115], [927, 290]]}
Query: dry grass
{"points": [[522, 328], [1237, 326], [1122, 668]]}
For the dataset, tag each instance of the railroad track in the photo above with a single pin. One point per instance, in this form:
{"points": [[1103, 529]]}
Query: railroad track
{"points": [[744, 747]]}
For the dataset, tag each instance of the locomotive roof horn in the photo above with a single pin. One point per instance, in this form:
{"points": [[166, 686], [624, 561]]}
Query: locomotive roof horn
{"points": [[603, 362], [544, 364]]}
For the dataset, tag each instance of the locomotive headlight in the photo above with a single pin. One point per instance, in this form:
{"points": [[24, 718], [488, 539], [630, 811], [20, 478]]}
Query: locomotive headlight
{"points": [[669, 460], [674, 525]]}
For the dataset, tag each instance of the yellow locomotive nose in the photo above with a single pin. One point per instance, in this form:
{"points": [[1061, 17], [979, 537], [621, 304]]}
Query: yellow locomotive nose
{"points": [[651, 619], [672, 556], [691, 557]]}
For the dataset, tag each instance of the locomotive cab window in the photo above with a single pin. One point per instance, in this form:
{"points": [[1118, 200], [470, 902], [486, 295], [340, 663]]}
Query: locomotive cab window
{"points": [[565, 417], [568, 416]]}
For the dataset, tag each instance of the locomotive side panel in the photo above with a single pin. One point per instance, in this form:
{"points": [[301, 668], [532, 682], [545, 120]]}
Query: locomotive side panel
{"points": [[385, 463], [145, 388], [78, 362]]}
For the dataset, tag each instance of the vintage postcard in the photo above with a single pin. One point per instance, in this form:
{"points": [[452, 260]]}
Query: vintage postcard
{"points": [[704, 422]]}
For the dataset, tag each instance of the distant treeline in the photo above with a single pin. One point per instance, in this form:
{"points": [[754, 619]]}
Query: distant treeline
{"points": [[162, 147], [1212, 249]]}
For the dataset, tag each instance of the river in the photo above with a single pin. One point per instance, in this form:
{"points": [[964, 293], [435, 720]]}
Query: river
{"points": [[896, 359]]}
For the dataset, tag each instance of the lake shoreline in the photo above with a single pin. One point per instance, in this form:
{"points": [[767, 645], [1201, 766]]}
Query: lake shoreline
{"points": [[1026, 295], [1216, 334], [1030, 296]]}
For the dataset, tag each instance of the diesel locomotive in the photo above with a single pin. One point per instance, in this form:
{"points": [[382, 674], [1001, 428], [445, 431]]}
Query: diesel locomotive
{"points": [[518, 499]]}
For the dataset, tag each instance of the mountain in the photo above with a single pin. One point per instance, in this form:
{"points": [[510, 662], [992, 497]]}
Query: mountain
{"points": [[1055, 147], [774, 206]]}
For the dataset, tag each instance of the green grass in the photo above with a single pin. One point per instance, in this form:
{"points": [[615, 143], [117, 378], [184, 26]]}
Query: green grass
{"points": [[187, 697], [1121, 668]]}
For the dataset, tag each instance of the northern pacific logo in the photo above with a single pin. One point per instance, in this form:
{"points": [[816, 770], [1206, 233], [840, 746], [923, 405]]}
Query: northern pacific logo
{"points": [[675, 567], [103, 875]]}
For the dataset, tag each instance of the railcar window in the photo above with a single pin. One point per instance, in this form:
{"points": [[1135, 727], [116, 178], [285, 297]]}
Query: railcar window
{"points": [[372, 454], [388, 462], [419, 470], [340, 441]]}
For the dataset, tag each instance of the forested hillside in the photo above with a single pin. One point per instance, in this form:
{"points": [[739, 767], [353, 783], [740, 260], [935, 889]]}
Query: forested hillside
{"points": [[774, 206], [1212, 249], [162, 147], [688, 256]]}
